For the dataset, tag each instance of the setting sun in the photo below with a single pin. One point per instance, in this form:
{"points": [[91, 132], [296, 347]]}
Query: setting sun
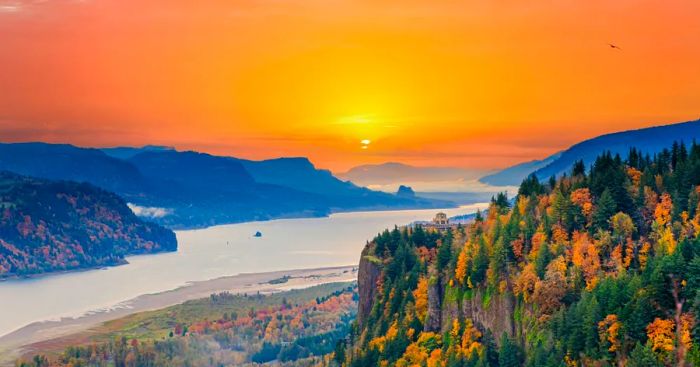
{"points": [[430, 79], [349, 183]]}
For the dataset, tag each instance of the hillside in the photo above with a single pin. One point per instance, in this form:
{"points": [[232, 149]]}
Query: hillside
{"points": [[598, 268], [192, 189], [58, 225], [71, 163], [514, 175], [299, 174], [297, 328], [649, 140]]}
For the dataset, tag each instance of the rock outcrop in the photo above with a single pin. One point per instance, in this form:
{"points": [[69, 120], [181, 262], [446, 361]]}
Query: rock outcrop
{"points": [[367, 277], [495, 314]]}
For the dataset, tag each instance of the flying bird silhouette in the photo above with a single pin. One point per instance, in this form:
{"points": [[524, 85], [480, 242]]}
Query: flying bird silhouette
{"points": [[614, 46]]}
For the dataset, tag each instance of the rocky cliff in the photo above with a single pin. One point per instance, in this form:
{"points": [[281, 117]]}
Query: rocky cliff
{"points": [[367, 278]]}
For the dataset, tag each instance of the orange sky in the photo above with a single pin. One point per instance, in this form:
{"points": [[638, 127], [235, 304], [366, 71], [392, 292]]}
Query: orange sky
{"points": [[466, 83]]}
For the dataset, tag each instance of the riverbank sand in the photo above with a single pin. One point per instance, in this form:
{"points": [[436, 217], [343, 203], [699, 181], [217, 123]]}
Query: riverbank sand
{"points": [[26, 339]]}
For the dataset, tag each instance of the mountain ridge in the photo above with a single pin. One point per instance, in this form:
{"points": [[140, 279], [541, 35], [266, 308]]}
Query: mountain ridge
{"points": [[194, 189], [648, 140]]}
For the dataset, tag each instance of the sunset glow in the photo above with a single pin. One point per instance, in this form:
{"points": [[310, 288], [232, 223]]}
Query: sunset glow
{"points": [[413, 81]]}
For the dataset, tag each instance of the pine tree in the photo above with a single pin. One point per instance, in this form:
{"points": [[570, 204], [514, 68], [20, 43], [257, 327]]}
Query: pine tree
{"points": [[481, 264], [544, 256], [579, 168], [642, 356], [605, 209], [508, 353], [444, 255]]}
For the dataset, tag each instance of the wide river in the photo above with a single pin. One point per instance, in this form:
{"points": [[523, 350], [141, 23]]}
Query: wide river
{"points": [[203, 254]]}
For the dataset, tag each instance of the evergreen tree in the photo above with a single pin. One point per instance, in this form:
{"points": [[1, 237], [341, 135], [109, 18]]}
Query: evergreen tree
{"points": [[501, 203], [605, 209], [544, 256], [642, 356], [579, 168], [444, 255], [508, 353], [481, 264]]}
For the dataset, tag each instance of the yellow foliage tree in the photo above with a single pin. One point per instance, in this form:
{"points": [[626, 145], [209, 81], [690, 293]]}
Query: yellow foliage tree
{"points": [[461, 269], [525, 281], [585, 255], [470, 339], [635, 176], [435, 359], [660, 333], [662, 212], [609, 330], [687, 323], [667, 240], [582, 198], [420, 294], [380, 342]]}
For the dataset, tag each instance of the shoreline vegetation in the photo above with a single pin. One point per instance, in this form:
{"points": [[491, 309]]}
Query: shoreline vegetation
{"points": [[50, 226], [29, 339], [124, 261]]}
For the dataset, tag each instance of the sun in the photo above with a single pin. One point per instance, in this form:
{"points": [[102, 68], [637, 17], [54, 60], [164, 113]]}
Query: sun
{"points": [[365, 143]]}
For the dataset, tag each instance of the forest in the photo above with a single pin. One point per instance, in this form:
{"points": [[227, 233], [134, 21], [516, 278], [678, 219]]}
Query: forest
{"points": [[61, 225], [296, 328], [598, 267]]}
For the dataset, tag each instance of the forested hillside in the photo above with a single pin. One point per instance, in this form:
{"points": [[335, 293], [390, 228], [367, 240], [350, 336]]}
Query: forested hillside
{"points": [[651, 140], [599, 267], [59, 225], [299, 328]]}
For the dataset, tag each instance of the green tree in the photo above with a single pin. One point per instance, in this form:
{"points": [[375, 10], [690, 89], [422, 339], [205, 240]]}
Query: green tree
{"points": [[544, 256], [481, 264], [508, 353], [605, 209], [643, 356]]}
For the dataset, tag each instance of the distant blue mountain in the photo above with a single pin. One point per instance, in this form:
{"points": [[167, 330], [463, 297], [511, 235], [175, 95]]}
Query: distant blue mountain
{"points": [[67, 162], [192, 189], [298, 173], [128, 152], [514, 175], [649, 140], [194, 170]]}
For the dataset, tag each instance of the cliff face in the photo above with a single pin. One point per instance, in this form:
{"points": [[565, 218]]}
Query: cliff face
{"points": [[367, 278], [433, 319], [495, 314]]}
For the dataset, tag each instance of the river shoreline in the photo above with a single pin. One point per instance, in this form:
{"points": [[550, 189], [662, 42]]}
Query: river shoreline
{"points": [[20, 341]]}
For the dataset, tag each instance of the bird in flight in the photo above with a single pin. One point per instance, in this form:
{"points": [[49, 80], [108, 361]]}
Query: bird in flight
{"points": [[614, 46]]}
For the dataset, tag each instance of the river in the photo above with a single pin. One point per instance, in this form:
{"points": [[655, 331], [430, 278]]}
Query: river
{"points": [[203, 254]]}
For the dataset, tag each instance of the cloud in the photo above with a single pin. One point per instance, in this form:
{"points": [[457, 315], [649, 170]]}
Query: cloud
{"points": [[149, 211], [10, 7]]}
